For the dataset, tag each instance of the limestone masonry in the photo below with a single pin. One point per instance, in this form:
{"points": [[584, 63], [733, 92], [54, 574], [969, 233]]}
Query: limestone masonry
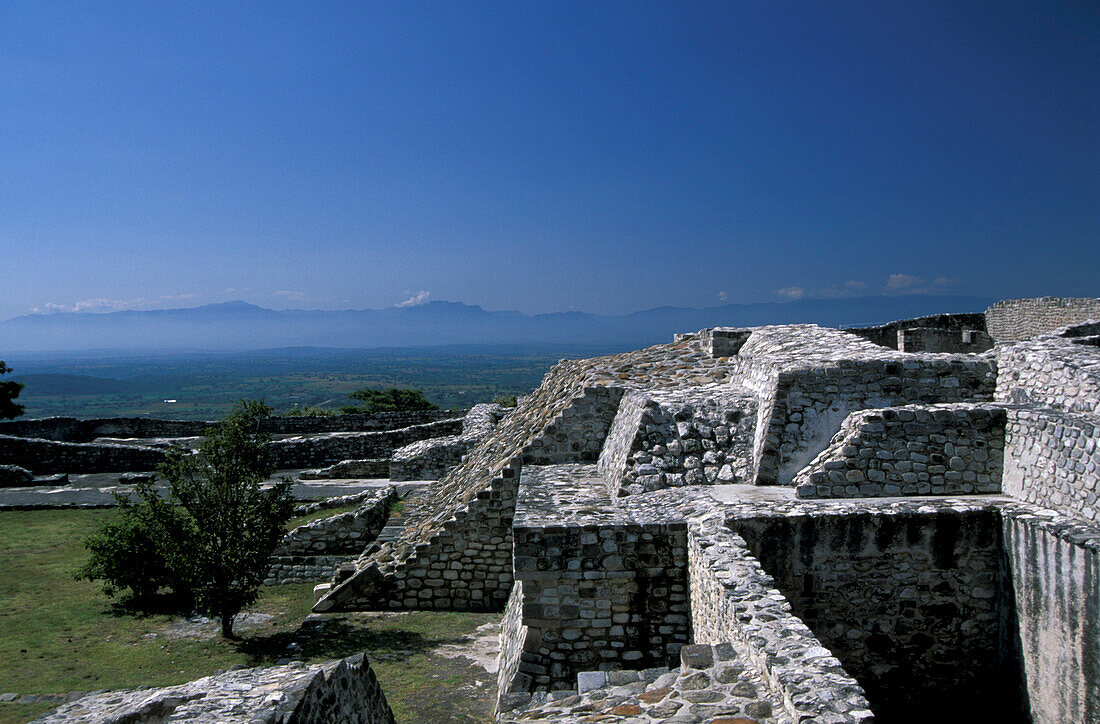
{"points": [[772, 524]]}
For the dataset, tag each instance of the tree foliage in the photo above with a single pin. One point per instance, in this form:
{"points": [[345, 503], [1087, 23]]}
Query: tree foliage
{"points": [[9, 390], [390, 400], [209, 537]]}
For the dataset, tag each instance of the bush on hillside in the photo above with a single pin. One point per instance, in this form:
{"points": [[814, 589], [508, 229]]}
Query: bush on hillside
{"points": [[209, 537], [389, 400]]}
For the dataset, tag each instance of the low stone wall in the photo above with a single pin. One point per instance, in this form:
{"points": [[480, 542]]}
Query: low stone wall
{"points": [[13, 476], [305, 568], [337, 502], [670, 438], [360, 422], [431, 459], [427, 459], [340, 691], [603, 588], [319, 450], [1012, 320], [368, 468], [1052, 459], [808, 379], [914, 604], [44, 457], [72, 429], [911, 450]]}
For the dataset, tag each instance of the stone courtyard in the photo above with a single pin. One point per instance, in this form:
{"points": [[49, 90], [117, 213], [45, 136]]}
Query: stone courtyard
{"points": [[773, 524]]}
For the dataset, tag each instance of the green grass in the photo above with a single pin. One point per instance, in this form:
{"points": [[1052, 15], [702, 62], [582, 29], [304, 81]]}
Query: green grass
{"points": [[59, 635]]}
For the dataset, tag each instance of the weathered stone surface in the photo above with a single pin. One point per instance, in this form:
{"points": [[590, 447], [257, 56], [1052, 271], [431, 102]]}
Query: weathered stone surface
{"points": [[911, 450], [311, 552], [1013, 320], [13, 476], [340, 691], [431, 459]]}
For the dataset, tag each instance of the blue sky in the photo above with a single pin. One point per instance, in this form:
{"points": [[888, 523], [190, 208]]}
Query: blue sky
{"points": [[545, 156]]}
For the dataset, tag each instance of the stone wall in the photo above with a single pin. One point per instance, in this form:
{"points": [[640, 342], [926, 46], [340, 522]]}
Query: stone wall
{"points": [[360, 422], [911, 450], [602, 588], [467, 516], [932, 339], [887, 335], [43, 457], [1055, 572], [431, 459], [670, 438], [368, 468], [339, 691], [811, 402], [913, 604], [328, 448], [576, 434], [311, 552], [513, 644], [1052, 372], [734, 602], [465, 565], [1012, 320], [71, 429], [1052, 459]]}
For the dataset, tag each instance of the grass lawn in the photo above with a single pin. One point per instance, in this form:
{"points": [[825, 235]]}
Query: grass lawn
{"points": [[59, 635]]}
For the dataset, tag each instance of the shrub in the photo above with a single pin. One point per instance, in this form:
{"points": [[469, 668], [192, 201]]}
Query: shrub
{"points": [[210, 538], [505, 400], [390, 400], [312, 411], [127, 554]]}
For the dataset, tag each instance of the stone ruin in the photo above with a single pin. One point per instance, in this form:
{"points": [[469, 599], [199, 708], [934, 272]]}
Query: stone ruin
{"points": [[781, 524]]}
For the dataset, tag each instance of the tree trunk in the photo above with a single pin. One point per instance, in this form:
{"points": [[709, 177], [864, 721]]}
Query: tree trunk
{"points": [[227, 625]]}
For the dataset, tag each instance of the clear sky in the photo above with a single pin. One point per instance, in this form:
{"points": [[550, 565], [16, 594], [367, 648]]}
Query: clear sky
{"points": [[545, 156]]}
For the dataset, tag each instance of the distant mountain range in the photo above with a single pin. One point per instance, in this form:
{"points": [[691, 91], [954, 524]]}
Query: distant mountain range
{"points": [[236, 326]]}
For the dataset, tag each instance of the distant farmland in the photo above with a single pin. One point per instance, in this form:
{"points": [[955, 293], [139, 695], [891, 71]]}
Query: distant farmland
{"points": [[205, 386]]}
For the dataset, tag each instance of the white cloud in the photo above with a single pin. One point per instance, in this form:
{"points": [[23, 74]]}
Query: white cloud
{"points": [[791, 292], [290, 296], [897, 282], [416, 299], [100, 304], [722, 296], [943, 282], [176, 297], [854, 284]]}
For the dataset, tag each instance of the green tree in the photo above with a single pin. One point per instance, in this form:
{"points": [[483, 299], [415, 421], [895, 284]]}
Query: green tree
{"points": [[210, 535], [389, 400], [9, 390]]}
